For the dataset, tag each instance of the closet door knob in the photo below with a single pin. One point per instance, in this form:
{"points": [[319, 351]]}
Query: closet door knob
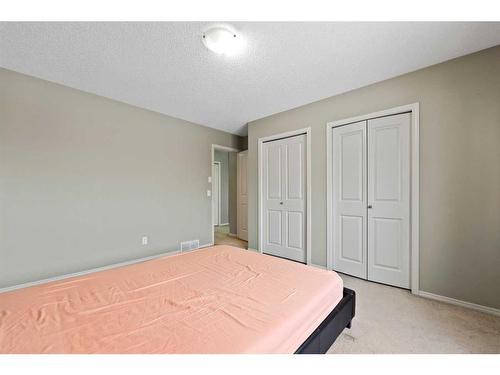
{"points": [[281, 202], [369, 206]]}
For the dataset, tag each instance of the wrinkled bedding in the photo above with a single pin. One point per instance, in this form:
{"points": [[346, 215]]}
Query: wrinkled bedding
{"points": [[214, 300]]}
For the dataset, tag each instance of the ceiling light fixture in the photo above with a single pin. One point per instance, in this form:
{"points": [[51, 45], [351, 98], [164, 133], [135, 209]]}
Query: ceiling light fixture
{"points": [[223, 41]]}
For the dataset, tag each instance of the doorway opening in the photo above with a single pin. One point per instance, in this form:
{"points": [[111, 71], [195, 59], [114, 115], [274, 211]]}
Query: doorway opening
{"points": [[227, 215]]}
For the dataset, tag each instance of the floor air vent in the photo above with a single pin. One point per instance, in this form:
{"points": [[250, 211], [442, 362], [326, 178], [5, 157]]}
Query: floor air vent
{"points": [[190, 245]]}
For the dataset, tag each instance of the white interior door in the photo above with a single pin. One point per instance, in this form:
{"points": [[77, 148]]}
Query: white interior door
{"points": [[389, 200], [349, 199], [284, 197], [216, 193], [242, 188]]}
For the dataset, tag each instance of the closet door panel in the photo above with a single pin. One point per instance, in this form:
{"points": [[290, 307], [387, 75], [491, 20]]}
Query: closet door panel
{"points": [[349, 199], [351, 238], [294, 204], [389, 200]]}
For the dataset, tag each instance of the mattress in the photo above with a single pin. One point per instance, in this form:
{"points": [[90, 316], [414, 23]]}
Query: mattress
{"points": [[214, 300]]}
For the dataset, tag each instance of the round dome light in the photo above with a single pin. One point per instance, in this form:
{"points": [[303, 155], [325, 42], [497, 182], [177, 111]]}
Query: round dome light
{"points": [[223, 41]]}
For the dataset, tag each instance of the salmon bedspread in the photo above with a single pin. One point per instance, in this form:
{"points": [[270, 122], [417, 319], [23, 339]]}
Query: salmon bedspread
{"points": [[214, 300]]}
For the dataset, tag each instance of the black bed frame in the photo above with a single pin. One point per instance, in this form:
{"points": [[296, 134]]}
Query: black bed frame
{"points": [[328, 331]]}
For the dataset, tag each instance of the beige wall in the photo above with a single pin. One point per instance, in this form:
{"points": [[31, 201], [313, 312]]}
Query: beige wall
{"points": [[459, 168], [83, 178]]}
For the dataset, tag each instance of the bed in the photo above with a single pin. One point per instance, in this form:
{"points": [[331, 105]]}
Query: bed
{"points": [[218, 299]]}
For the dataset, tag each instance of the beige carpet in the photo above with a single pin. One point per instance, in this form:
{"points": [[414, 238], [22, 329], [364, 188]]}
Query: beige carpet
{"points": [[222, 237], [392, 320], [221, 229]]}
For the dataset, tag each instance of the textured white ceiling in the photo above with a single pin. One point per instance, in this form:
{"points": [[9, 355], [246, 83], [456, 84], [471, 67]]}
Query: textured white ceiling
{"points": [[164, 67]]}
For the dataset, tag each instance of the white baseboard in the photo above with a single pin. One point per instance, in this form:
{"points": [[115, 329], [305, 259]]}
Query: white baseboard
{"points": [[457, 302], [85, 272], [103, 268], [436, 297]]}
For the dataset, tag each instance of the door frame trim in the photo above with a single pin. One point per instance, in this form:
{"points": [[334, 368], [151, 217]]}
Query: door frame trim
{"points": [[238, 197], [218, 192], [414, 109], [260, 143], [212, 159]]}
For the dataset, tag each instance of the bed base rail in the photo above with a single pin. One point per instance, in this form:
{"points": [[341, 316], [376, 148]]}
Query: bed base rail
{"points": [[327, 332]]}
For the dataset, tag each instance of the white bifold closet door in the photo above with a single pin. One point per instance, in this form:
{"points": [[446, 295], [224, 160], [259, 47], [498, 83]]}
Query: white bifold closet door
{"points": [[284, 200], [371, 199]]}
